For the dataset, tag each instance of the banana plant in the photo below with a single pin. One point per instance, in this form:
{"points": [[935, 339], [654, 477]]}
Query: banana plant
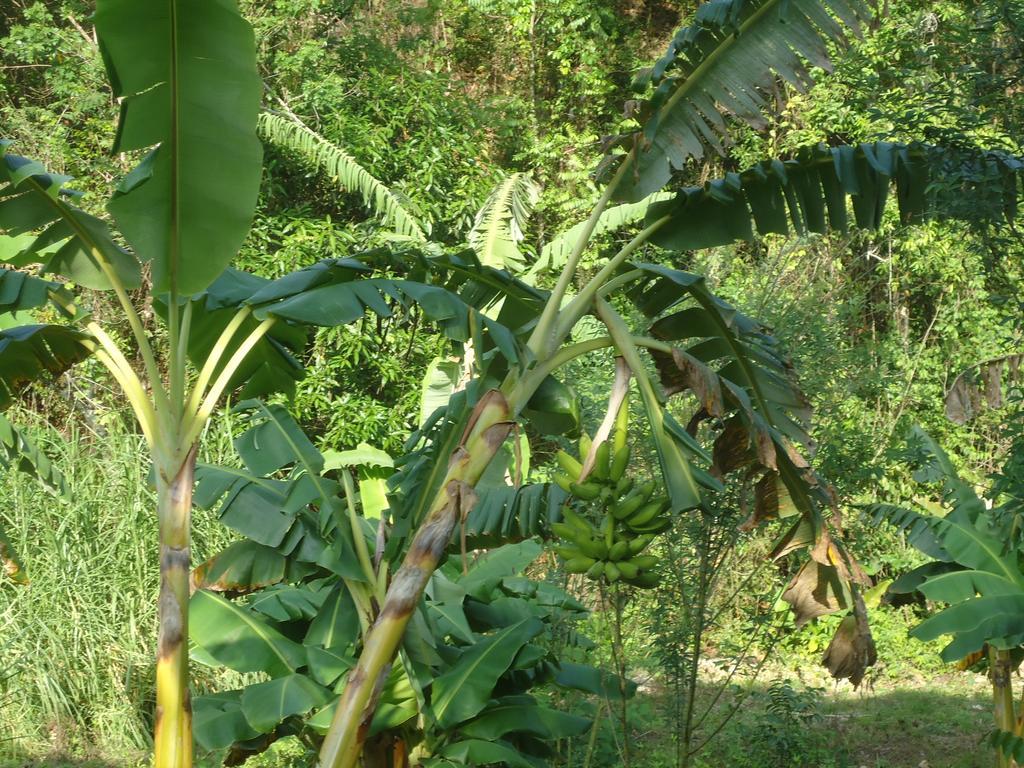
{"points": [[296, 603], [976, 573], [184, 73]]}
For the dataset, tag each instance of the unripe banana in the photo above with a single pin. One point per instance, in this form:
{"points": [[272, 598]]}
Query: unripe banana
{"points": [[579, 564], [627, 569], [569, 552], [581, 524], [640, 543], [601, 461], [608, 530], [646, 513], [594, 548], [585, 445], [645, 562], [623, 486], [619, 463], [565, 531], [586, 491], [563, 481], [569, 465], [611, 572], [621, 425], [596, 571], [645, 489], [618, 551], [657, 525], [628, 506]]}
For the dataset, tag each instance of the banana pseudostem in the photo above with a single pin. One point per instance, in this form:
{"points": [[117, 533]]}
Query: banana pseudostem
{"points": [[488, 427]]}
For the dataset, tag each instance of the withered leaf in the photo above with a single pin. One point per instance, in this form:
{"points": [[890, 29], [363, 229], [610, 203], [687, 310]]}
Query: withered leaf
{"points": [[981, 385], [816, 590], [731, 449], [852, 649], [772, 500], [681, 371], [242, 567], [801, 534]]}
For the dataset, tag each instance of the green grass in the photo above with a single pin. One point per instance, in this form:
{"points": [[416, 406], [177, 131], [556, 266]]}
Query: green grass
{"points": [[77, 645], [908, 723]]}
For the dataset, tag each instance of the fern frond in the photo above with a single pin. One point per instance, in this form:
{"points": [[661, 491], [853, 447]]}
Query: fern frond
{"points": [[344, 170], [500, 222]]}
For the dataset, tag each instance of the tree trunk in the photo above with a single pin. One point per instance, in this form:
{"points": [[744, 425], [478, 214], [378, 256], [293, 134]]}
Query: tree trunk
{"points": [[487, 430], [172, 740]]}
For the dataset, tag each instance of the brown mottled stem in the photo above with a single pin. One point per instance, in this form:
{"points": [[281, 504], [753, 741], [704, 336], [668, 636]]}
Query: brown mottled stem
{"points": [[172, 747], [488, 428]]}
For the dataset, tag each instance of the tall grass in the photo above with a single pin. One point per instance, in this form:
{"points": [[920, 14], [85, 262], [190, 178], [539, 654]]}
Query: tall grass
{"points": [[77, 644]]}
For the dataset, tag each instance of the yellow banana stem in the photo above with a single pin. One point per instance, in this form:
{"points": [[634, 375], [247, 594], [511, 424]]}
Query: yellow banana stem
{"points": [[214, 358], [1001, 674], [488, 428], [358, 540], [202, 415], [172, 746], [108, 353]]}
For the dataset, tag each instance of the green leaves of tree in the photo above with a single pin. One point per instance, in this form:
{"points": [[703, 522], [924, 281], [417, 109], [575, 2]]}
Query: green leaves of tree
{"points": [[239, 639], [29, 351], [983, 582], [500, 222], [19, 291], [267, 704], [344, 170], [185, 71]]}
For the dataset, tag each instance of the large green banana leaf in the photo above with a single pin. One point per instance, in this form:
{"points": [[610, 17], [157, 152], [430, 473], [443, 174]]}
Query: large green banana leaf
{"points": [[452, 291], [185, 72], [291, 135], [464, 690], [20, 292], [721, 67], [813, 191], [501, 220], [979, 575], [241, 639], [30, 351], [64, 239]]}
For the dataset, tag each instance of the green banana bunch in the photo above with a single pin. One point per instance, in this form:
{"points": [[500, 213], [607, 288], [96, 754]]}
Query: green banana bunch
{"points": [[630, 516]]}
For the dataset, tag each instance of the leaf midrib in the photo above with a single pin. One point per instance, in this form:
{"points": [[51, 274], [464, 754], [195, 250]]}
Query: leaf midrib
{"points": [[449, 696], [254, 626], [694, 79]]}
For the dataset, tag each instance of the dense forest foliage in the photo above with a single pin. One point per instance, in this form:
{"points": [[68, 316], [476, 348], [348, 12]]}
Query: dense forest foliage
{"points": [[458, 144]]}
